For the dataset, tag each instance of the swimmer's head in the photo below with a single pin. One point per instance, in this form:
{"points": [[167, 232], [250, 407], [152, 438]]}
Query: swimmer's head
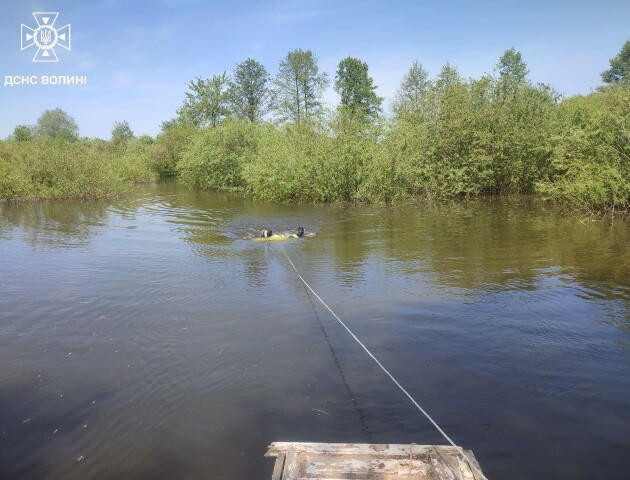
{"points": [[300, 231], [266, 233]]}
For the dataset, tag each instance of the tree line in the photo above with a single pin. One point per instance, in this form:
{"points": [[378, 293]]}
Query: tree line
{"points": [[273, 137]]}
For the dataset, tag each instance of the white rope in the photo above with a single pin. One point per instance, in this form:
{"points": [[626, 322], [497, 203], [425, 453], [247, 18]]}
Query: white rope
{"points": [[424, 412]]}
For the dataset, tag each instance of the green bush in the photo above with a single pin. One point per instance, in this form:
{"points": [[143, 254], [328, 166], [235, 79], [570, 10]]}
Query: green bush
{"points": [[217, 156], [280, 169], [311, 162], [44, 168], [590, 163], [169, 147], [466, 138]]}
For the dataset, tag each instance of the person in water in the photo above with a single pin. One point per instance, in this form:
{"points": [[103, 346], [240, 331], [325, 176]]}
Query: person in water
{"points": [[267, 233]]}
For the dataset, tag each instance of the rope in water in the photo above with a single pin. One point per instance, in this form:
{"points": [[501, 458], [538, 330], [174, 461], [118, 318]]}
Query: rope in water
{"points": [[355, 404], [424, 412]]}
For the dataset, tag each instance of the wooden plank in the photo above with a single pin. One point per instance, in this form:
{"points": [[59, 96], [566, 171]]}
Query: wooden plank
{"points": [[353, 448], [291, 467], [278, 467]]}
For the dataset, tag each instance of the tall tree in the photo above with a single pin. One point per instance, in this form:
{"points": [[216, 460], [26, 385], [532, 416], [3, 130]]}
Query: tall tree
{"points": [[448, 76], [356, 89], [511, 66], [206, 101], [56, 124], [619, 71], [299, 85], [512, 72], [414, 85], [249, 90], [121, 133], [21, 133]]}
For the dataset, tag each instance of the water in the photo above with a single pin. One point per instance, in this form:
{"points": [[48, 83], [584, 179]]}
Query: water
{"points": [[147, 337]]}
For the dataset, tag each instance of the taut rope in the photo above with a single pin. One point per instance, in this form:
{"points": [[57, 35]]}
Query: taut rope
{"points": [[424, 412]]}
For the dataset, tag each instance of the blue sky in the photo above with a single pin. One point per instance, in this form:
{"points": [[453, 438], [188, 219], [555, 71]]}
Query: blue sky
{"points": [[138, 56]]}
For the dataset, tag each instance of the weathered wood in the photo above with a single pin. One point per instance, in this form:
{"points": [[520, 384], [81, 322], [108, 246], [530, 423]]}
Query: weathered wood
{"points": [[278, 467], [291, 466], [353, 448], [306, 461]]}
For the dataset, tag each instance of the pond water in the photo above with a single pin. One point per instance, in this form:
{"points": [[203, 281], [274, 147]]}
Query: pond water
{"points": [[149, 337]]}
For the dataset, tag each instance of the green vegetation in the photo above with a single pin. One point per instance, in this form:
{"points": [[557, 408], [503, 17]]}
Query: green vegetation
{"points": [[49, 160], [121, 134], [590, 156], [216, 157], [309, 164], [356, 89], [207, 101], [455, 137], [56, 124], [272, 137], [412, 90], [299, 86], [45, 168], [170, 145], [21, 133], [249, 92], [619, 71]]}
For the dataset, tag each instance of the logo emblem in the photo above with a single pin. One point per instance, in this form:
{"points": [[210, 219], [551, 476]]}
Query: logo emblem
{"points": [[45, 37]]}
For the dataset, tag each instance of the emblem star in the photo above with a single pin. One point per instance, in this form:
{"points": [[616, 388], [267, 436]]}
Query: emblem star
{"points": [[45, 37]]}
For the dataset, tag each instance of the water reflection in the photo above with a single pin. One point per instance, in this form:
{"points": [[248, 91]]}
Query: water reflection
{"points": [[53, 224], [153, 320], [486, 244]]}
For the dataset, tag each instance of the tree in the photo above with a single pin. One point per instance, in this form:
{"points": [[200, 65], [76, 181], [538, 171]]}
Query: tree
{"points": [[249, 90], [170, 123], [619, 71], [21, 133], [512, 74], [511, 66], [206, 101], [357, 89], [56, 124], [448, 76], [299, 85], [173, 123], [414, 85], [121, 133]]}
